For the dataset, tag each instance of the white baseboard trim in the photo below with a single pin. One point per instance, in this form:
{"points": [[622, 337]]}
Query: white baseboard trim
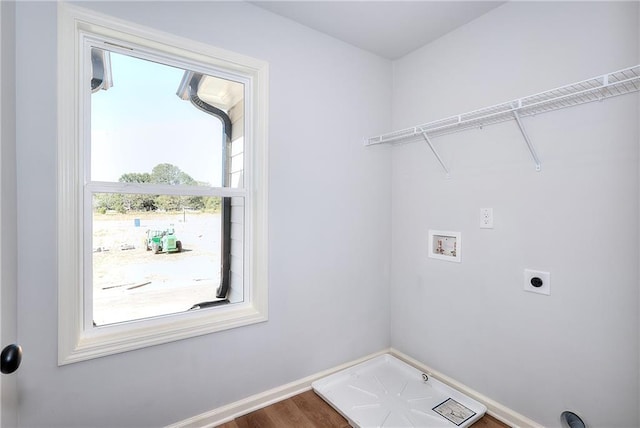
{"points": [[231, 411], [495, 409]]}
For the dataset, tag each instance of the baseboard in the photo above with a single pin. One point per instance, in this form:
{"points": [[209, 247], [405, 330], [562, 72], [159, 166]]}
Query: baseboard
{"points": [[231, 411], [495, 409]]}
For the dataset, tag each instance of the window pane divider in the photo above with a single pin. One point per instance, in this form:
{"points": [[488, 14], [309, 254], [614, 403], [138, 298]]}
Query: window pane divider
{"points": [[162, 189]]}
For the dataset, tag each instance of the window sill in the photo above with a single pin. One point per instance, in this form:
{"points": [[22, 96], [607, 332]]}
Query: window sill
{"points": [[112, 339]]}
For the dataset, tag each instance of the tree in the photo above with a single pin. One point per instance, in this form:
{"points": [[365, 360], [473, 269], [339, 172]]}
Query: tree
{"points": [[169, 203], [135, 177], [212, 203], [138, 202], [104, 202], [165, 173]]}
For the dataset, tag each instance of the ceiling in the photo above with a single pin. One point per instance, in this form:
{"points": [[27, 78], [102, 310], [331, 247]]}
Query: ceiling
{"points": [[390, 29]]}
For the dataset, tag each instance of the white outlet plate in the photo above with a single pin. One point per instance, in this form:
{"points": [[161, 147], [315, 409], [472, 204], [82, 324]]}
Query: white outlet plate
{"points": [[486, 218], [545, 288]]}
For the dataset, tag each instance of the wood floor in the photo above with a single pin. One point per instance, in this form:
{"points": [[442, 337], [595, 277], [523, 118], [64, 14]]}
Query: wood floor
{"points": [[308, 410]]}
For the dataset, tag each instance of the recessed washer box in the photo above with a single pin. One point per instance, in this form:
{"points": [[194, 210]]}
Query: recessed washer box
{"points": [[386, 392]]}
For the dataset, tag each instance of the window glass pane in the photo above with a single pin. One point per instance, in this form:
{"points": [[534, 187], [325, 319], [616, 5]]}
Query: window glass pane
{"points": [[146, 115], [158, 262]]}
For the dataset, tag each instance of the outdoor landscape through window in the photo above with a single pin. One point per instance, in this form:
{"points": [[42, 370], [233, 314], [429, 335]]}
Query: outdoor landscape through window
{"points": [[158, 251], [134, 278]]}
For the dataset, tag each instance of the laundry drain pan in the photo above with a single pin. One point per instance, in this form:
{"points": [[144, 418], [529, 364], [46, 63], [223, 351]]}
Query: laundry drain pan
{"points": [[386, 392]]}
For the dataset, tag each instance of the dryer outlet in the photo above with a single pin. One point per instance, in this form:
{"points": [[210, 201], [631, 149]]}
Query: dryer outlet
{"points": [[536, 281]]}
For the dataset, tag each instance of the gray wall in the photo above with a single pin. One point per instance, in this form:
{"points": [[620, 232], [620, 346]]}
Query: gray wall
{"points": [[577, 218], [329, 227], [332, 231], [8, 262]]}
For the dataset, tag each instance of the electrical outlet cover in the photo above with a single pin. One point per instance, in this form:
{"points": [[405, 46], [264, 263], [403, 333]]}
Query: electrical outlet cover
{"points": [[486, 218], [545, 277]]}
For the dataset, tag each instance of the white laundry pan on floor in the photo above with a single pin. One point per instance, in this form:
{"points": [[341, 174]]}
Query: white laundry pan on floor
{"points": [[386, 392]]}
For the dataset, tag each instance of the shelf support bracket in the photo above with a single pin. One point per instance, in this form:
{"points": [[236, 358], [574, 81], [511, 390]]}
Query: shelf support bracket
{"points": [[532, 150], [435, 152]]}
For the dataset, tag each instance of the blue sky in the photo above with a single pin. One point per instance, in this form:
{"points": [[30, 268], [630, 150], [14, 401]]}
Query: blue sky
{"points": [[141, 122]]}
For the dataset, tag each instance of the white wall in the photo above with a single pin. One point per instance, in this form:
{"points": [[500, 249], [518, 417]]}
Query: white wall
{"points": [[578, 218], [329, 228], [8, 263]]}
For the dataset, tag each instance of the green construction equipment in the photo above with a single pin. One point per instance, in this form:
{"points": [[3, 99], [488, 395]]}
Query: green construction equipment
{"points": [[163, 241]]}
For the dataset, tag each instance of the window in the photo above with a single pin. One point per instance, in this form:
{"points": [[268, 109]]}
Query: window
{"points": [[161, 187], [161, 126]]}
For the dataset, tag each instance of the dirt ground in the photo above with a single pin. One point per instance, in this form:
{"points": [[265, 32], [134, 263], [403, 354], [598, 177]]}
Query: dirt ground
{"points": [[130, 282]]}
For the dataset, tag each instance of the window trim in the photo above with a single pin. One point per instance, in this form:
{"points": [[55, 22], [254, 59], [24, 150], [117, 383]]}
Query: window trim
{"points": [[76, 342]]}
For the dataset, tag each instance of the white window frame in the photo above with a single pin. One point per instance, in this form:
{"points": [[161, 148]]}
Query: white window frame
{"points": [[78, 341]]}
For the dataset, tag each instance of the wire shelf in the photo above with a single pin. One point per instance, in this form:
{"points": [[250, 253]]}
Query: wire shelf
{"points": [[595, 89]]}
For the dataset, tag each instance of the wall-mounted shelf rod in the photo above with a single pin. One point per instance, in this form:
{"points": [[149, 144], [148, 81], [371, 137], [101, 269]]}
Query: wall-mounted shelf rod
{"points": [[595, 89]]}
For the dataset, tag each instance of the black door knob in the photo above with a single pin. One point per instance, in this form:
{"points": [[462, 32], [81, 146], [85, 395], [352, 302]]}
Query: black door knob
{"points": [[10, 359]]}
